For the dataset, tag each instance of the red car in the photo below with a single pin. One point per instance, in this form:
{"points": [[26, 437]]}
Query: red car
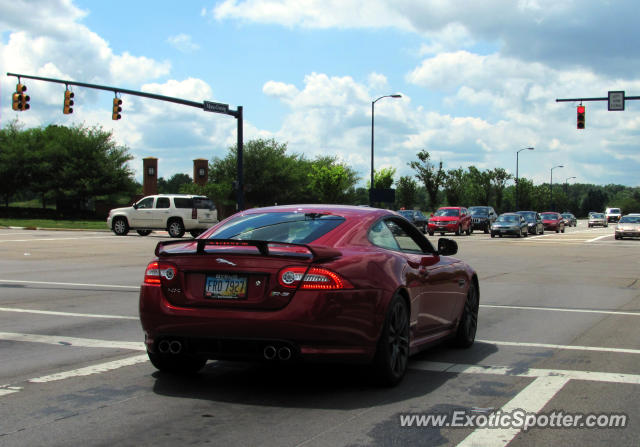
{"points": [[450, 219], [552, 221], [306, 282]]}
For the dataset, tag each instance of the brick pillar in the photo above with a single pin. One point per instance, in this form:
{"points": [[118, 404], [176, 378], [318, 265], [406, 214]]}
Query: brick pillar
{"points": [[149, 176], [200, 171]]}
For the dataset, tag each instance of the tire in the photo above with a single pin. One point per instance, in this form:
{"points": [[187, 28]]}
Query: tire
{"points": [[176, 364], [557, 230], [442, 233], [500, 235], [143, 232], [175, 227], [392, 354], [468, 326], [195, 233], [120, 226], [493, 235], [486, 230], [430, 233], [562, 229]]}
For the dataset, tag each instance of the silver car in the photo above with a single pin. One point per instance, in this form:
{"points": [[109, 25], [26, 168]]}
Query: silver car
{"points": [[628, 226], [597, 220]]}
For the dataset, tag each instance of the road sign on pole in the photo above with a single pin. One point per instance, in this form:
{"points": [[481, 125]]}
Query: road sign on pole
{"points": [[616, 101], [215, 107]]}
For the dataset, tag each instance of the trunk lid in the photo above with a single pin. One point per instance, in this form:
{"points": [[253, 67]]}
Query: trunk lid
{"points": [[233, 274]]}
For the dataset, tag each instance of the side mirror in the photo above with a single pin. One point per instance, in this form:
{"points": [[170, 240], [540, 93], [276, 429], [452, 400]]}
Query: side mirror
{"points": [[135, 206], [447, 247]]}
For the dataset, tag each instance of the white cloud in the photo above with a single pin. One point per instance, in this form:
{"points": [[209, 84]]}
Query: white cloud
{"points": [[183, 43]]}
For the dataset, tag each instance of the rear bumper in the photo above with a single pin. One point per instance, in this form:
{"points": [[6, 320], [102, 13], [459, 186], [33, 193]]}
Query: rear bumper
{"points": [[340, 326]]}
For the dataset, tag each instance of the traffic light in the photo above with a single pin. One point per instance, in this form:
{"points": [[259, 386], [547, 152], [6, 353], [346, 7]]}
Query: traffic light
{"points": [[115, 115], [581, 110], [68, 102], [20, 100]]}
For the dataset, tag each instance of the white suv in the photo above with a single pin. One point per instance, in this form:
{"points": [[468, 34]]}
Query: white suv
{"points": [[175, 213], [613, 214]]}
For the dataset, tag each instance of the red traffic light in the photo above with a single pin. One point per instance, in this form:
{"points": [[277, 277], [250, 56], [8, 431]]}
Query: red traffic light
{"points": [[581, 117]]}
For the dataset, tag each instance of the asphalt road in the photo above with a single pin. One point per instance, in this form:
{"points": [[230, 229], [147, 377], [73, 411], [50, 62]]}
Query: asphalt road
{"points": [[558, 331]]}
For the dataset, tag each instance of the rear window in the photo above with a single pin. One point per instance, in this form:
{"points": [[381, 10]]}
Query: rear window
{"points": [[296, 228], [203, 203]]}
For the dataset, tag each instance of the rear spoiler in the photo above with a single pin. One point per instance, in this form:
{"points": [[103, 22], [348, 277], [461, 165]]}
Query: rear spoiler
{"points": [[198, 246]]}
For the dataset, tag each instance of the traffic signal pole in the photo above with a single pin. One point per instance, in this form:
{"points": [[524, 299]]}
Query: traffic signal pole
{"points": [[206, 106], [616, 100]]}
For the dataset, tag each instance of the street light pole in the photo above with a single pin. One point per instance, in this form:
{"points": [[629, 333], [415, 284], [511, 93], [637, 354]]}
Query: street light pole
{"points": [[551, 185], [566, 185], [517, 162], [372, 123]]}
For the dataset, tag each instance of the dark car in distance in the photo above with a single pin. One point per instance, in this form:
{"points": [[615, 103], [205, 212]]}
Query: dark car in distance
{"points": [[416, 217], [509, 224], [569, 220], [553, 221], [482, 217], [534, 221], [294, 283]]}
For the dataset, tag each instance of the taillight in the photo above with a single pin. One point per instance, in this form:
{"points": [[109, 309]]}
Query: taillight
{"points": [[155, 271], [317, 278]]}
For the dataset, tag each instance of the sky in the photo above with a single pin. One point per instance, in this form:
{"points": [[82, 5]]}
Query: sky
{"points": [[479, 79]]}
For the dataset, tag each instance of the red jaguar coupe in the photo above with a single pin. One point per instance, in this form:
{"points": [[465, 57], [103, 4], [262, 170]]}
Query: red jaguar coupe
{"points": [[306, 282]]}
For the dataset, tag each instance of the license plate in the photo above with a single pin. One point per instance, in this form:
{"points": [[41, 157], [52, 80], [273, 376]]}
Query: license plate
{"points": [[223, 286]]}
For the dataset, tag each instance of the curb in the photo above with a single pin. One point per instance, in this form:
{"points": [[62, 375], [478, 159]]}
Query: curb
{"points": [[54, 229]]}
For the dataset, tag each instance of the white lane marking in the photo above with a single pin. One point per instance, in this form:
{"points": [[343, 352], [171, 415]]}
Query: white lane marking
{"points": [[13, 281], [55, 239], [60, 340], [591, 376], [532, 399], [561, 309], [66, 314], [93, 369], [7, 389], [565, 347], [598, 238]]}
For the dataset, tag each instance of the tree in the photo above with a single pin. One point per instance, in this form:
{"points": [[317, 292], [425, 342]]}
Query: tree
{"points": [[383, 179], [270, 175], [81, 163], [406, 193], [499, 178], [14, 170], [454, 185], [481, 187], [174, 184], [331, 181], [431, 177]]}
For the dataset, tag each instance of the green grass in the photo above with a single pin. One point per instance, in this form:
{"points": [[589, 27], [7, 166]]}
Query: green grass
{"points": [[50, 223]]}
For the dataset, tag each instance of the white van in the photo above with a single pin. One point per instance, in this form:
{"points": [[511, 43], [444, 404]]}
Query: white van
{"points": [[613, 214], [175, 213]]}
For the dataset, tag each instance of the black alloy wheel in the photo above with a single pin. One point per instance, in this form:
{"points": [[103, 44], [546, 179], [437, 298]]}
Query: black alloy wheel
{"points": [[392, 355], [468, 326]]}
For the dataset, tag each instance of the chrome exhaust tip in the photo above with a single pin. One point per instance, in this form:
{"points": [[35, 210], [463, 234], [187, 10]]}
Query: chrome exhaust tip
{"points": [[175, 347], [163, 346], [269, 352], [284, 353]]}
